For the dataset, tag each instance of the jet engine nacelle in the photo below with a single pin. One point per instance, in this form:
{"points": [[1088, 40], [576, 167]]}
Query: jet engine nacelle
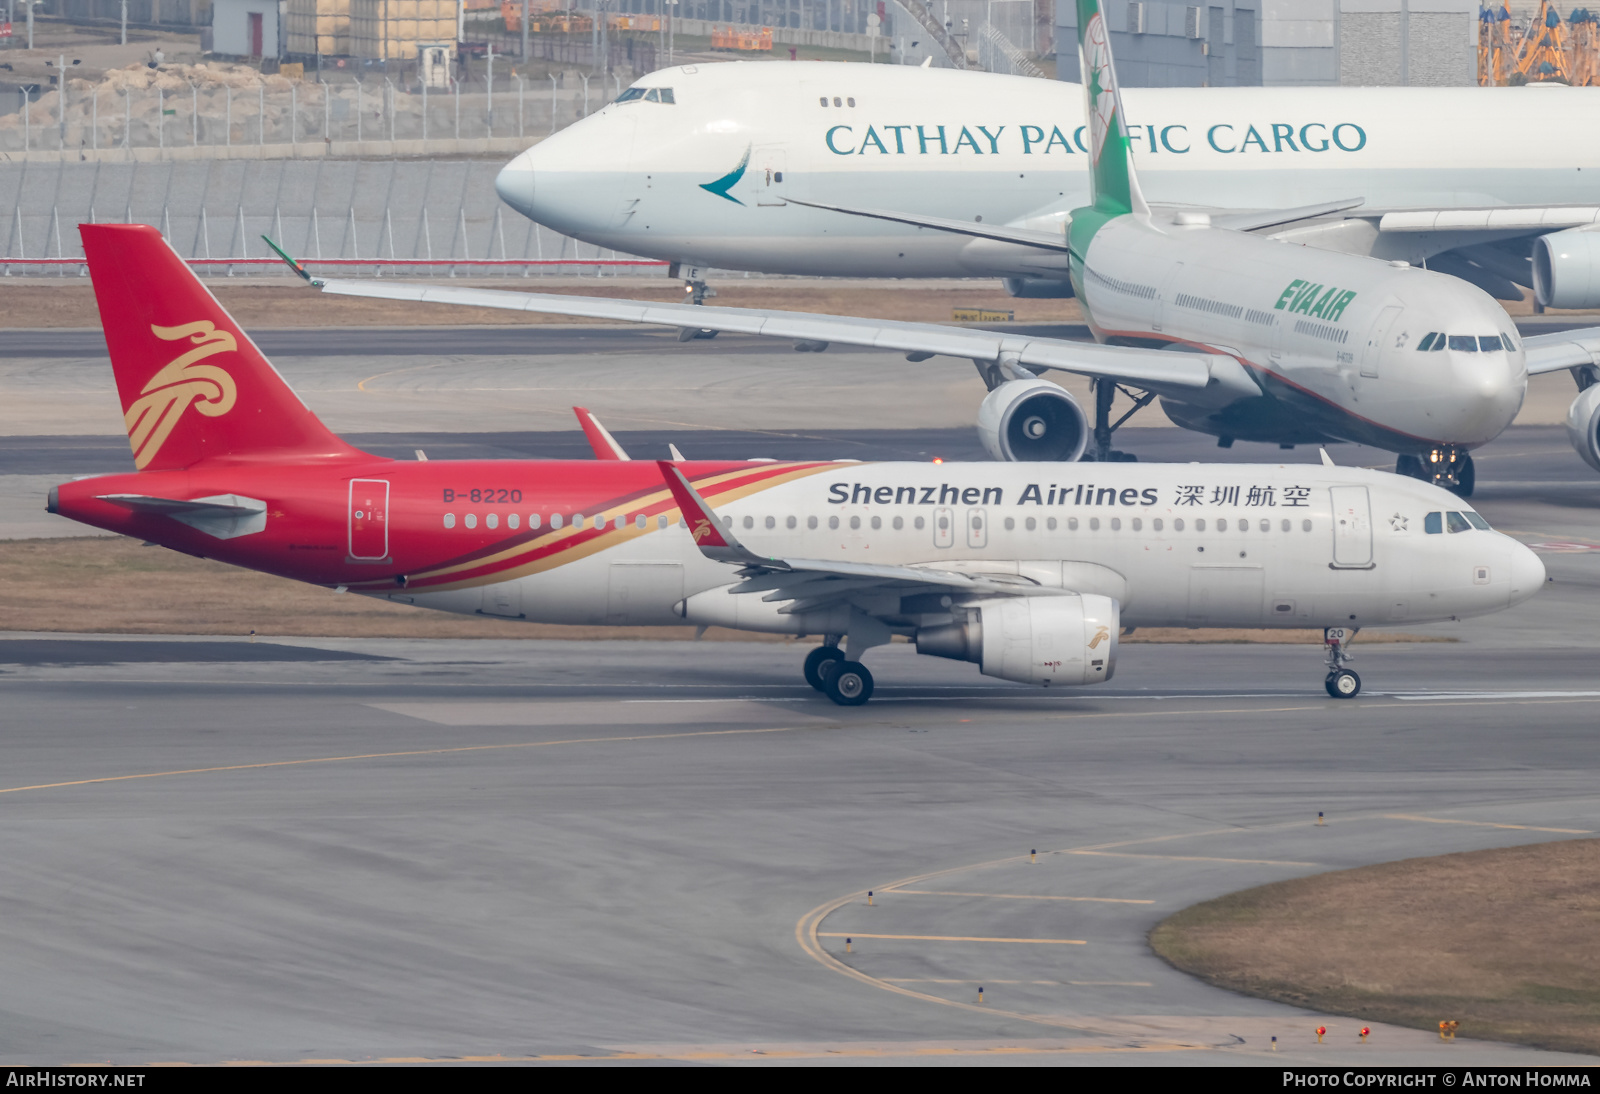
{"points": [[1583, 425], [1029, 421], [1065, 640], [1566, 269]]}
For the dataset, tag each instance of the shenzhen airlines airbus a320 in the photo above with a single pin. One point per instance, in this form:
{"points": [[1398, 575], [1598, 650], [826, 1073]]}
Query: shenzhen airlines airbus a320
{"points": [[1029, 570]]}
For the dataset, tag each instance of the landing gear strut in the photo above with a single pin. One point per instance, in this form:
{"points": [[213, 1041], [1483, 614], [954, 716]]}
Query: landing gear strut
{"points": [[1342, 683], [1445, 466], [1105, 390]]}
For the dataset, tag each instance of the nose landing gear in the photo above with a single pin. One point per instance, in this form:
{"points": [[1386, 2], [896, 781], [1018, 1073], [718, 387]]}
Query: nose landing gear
{"points": [[1446, 466], [1342, 683]]}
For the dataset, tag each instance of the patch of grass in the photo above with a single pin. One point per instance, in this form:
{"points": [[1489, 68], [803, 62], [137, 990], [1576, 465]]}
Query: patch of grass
{"points": [[1501, 941], [116, 586]]}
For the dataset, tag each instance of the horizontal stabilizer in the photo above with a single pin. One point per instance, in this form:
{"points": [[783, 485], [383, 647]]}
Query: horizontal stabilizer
{"points": [[1276, 218], [224, 516], [1026, 237]]}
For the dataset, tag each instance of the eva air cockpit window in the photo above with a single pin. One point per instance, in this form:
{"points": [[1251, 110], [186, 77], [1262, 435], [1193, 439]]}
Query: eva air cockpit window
{"points": [[1436, 523]]}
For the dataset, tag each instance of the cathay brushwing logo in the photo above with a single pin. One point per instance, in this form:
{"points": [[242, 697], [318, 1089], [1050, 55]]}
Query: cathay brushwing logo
{"points": [[728, 181], [181, 383]]}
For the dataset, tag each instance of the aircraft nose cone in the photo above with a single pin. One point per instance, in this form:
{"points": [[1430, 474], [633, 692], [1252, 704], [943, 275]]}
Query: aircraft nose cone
{"points": [[514, 184], [1527, 574], [1491, 391]]}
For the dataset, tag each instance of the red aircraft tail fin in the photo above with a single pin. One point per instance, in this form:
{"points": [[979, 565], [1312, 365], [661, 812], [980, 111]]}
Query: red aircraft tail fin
{"points": [[193, 385]]}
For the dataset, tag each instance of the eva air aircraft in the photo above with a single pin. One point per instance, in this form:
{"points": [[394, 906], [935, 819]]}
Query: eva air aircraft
{"points": [[1238, 335]]}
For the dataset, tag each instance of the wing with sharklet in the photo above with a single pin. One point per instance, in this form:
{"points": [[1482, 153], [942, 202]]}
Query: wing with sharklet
{"points": [[1141, 367], [811, 583]]}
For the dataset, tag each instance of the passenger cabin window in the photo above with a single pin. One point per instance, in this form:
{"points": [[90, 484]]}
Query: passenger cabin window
{"points": [[1465, 343]]}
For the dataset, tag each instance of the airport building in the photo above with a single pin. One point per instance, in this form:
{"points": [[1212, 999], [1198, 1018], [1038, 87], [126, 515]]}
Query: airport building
{"points": [[1244, 43]]}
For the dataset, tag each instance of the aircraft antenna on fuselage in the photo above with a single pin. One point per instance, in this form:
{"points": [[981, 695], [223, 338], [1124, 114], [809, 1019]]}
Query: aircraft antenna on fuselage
{"points": [[1113, 183]]}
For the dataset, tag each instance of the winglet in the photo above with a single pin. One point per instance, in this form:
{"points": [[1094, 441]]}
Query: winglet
{"points": [[1327, 460], [600, 439], [300, 270], [710, 535]]}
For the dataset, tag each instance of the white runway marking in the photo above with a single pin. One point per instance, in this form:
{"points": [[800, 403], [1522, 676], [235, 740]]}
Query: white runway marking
{"points": [[1422, 697]]}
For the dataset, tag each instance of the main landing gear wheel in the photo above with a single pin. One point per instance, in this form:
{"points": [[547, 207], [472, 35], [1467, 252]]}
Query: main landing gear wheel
{"points": [[849, 684], [1410, 466], [1343, 684], [820, 662]]}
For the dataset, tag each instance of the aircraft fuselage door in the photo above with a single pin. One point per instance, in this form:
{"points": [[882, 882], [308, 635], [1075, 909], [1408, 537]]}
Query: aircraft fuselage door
{"points": [[1372, 353], [1352, 526], [944, 528], [977, 528], [766, 170], [369, 519], [1163, 301]]}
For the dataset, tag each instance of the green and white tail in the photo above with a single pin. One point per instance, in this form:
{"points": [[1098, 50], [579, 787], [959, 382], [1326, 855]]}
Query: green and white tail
{"points": [[1113, 184]]}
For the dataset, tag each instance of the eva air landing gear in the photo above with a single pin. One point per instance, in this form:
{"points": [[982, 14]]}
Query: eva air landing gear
{"points": [[1342, 682], [1449, 467], [1105, 391], [846, 682]]}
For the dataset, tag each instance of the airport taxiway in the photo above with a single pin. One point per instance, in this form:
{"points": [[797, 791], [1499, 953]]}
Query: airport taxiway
{"points": [[381, 849]]}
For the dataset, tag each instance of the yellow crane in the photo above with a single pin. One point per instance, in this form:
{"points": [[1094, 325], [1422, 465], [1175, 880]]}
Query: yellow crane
{"points": [[1543, 54]]}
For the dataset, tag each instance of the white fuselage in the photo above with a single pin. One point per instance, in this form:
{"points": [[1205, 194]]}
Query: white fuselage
{"points": [[644, 177], [1176, 545], [1331, 341]]}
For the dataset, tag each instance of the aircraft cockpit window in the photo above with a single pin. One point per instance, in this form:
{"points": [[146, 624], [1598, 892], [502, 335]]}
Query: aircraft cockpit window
{"points": [[1506, 339], [1466, 343], [1455, 522], [1433, 524], [1427, 342], [653, 95], [1489, 343], [631, 94], [1476, 521], [666, 97]]}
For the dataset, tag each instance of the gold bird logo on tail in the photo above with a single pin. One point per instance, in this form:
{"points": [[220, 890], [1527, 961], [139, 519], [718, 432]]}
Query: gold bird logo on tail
{"points": [[702, 529], [181, 383]]}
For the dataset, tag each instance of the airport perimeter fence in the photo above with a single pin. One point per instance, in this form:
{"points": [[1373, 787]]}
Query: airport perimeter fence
{"points": [[434, 218], [224, 109]]}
